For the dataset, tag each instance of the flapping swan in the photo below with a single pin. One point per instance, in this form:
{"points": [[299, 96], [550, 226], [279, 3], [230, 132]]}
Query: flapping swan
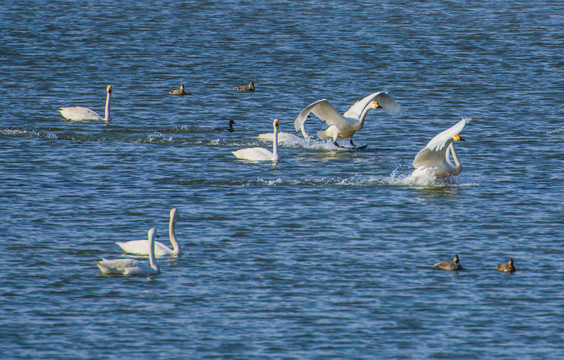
{"points": [[258, 153], [250, 87], [453, 265], [79, 113], [140, 247], [344, 126], [132, 266], [178, 91], [433, 161], [509, 267]]}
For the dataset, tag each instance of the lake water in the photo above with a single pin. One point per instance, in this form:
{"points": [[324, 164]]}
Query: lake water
{"points": [[326, 255]]}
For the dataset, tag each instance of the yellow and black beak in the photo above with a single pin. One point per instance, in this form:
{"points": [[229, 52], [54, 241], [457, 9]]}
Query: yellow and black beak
{"points": [[458, 138]]}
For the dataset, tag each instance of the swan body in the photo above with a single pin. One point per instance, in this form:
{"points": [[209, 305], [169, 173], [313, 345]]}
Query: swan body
{"points": [[453, 265], [258, 153], [509, 267], [79, 113], [249, 87], [433, 161], [132, 267], [282, 137], [346, 125], [141, 247], [178, 91]]}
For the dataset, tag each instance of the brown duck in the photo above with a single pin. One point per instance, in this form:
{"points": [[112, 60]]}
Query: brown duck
{"points": [[453, 265]]}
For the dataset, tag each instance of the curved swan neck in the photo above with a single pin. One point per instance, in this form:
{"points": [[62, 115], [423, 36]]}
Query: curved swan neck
{"points": [[107, 110], [363, 116], [172, 234], [152, 257], [457, 166]]}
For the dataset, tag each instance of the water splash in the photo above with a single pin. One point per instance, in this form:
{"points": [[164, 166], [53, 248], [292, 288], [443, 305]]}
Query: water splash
{"points": [[556, 132]]}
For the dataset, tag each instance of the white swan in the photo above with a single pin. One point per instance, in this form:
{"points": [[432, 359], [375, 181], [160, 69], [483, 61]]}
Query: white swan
{"points": [[132, 266], [282, 137], [344, 126], [140, 247], [79, 113], [258, 153], [433, 161]]}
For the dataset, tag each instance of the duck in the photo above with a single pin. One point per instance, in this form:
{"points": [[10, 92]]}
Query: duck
{"points": [[249, 87], [453, 265], [229, 128], [179, 91], [509, 267]]}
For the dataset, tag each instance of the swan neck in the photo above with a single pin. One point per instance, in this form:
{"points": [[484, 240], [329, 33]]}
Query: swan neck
{"points": [[152, 257], [303, 129], [363, 116], [275, 145], [457, 166], [172, 236], [107, 110]]}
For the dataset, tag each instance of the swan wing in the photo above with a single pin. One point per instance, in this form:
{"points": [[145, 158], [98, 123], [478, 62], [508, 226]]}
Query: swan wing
{"points": [[118, 266], [79, 113], [254, 154], [282, 137], [141, 247], [126, 267], [322, 109], [383, 99], [427, 158], [441, 140]]}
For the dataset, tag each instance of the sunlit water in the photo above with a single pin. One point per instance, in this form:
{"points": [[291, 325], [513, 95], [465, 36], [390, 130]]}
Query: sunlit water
{"points": [[327, 254]]}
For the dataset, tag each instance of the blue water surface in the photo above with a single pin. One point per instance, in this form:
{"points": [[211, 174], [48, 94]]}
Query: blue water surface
{"points": [[327, 254]]}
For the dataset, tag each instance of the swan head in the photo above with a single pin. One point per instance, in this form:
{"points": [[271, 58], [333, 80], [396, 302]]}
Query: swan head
{"points": [[174, 214], [109, 89], [153, 233], [374, 105], [275, 124], [458, 138]]}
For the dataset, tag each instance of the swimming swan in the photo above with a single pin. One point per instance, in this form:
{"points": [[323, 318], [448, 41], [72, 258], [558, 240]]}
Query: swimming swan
{"points": [[79, 113], [258, 153], [344, 126], [140, 247], [132, 266], [433, 161], [453, 265]]}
